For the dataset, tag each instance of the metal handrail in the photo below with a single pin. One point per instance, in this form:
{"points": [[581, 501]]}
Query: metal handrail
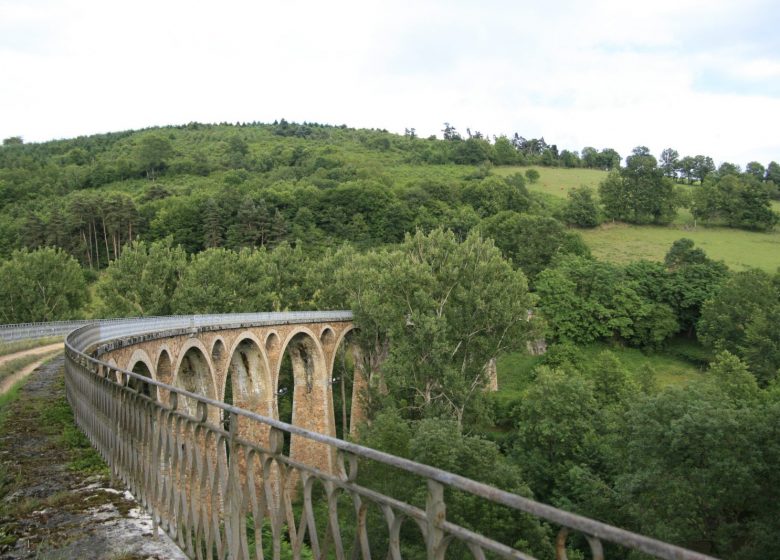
{"points": [[86, 370]]}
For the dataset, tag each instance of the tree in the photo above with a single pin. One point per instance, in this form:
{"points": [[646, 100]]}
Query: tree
{"points": [[581, 208], [42, 285], [531, 242], [742, 298], [670, 161], [702, 167], [223, 281], [532, 175], [738, 201], [142, 281], [639, 193], [505, 152], [555, 421], [675, 450], [444, 308], [756, 170], [583, 300], [153, 153], [773, 173]]}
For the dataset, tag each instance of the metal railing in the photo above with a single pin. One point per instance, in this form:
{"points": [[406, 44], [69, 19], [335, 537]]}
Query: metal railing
{"points": [[222, 494]]}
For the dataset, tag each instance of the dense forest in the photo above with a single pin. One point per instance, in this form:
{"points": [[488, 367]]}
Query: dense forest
{"points": [[447, 264]]}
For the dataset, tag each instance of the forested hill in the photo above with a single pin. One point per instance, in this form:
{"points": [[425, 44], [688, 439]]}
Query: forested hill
{"points": [[256, 185], [224, 185], [440, 248]]}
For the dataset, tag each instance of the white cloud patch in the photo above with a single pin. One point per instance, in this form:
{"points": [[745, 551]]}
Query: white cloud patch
{"points": [[693, 75]]}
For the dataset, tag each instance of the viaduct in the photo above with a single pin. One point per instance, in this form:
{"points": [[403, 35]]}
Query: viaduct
{"points": [[186, 412]]}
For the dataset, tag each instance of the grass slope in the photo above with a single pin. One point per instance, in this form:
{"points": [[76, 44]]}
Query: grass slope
{"points": [[515, 371], [622, 243], [737, 248]]}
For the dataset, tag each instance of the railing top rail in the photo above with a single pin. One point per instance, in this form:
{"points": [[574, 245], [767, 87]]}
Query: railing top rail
{"points": [[560, 517]]}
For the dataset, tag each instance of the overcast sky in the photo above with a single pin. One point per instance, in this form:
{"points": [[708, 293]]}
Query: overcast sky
{"points": [[701, 76]]}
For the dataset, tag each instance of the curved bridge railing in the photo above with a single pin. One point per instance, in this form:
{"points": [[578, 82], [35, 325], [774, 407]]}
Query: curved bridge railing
{"points": [[222, 496]]}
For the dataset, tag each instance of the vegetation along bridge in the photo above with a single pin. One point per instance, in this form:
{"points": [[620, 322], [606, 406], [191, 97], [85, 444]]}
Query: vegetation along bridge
{"points": [[185, 410]]}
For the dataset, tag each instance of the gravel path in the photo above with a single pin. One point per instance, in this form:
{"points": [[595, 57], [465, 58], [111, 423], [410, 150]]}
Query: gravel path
{"points": [[56, 501], [48, 349]]}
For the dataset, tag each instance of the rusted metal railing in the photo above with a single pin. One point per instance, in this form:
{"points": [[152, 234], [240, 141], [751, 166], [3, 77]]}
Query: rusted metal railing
{"points": [[221, 496]]}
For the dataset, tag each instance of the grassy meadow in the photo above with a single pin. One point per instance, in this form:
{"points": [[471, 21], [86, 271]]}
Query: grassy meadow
{"points": [[622, 243], [671, 367]]}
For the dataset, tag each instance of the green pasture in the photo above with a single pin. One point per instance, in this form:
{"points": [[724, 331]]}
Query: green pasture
{"points": [[670, 367], [557, 181], [622, 243], [739, 249]]}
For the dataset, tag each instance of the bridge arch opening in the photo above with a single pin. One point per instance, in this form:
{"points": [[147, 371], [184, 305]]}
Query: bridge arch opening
{"points": [[248, 379], [164, 367], [348, 391], [217, 351], [194, 375], [305, 398], [141, 368]]}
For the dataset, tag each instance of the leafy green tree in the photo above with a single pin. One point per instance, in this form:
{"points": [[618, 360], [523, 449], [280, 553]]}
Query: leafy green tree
{"points": [[532, 175], [703, 166], [581, 208], [639, 193], [142, 281], [42, 285], [773, 172], [670, 161], [494, 194], [678, 448], [756, 170], [154, 151], [691, 280], [555, 421], [223, 281], [505, 152], [740, 318], [737, 201], [584, 300], [440, 309], [441, 443], [531, 242]]}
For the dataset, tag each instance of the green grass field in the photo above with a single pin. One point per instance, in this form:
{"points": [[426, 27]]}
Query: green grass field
{"points": [[623, 243], [557, 181], [515, 371], [739, 249]]}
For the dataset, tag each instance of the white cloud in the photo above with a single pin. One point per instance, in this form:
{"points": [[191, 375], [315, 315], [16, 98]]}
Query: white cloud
{"points": [[580, 74]]}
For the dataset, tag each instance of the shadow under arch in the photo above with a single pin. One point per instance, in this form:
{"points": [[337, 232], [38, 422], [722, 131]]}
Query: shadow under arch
{"points": [[194, 374], [350, 384], [142, 367], [164, 371], [303, 359], [248, 383]]}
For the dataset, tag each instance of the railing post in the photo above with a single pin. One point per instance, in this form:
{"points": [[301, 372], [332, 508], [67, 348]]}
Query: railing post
{"points": [[435, 512]]}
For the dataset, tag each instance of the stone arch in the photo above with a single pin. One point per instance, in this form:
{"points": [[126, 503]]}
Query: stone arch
{"points": [[312, 403], [350, 387], [194, 373], [272, 341], [113, 366], [327, 336], [250, 375], [141, 364], [140, 355], [217, 350], [164, 369]]}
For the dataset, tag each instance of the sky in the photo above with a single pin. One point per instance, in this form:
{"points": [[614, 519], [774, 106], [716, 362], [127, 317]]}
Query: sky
{"points": [[700, 76]]}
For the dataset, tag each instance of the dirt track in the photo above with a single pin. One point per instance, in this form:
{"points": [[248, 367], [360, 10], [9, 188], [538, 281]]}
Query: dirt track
{"points": [[49, 349], [55, 497]]}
